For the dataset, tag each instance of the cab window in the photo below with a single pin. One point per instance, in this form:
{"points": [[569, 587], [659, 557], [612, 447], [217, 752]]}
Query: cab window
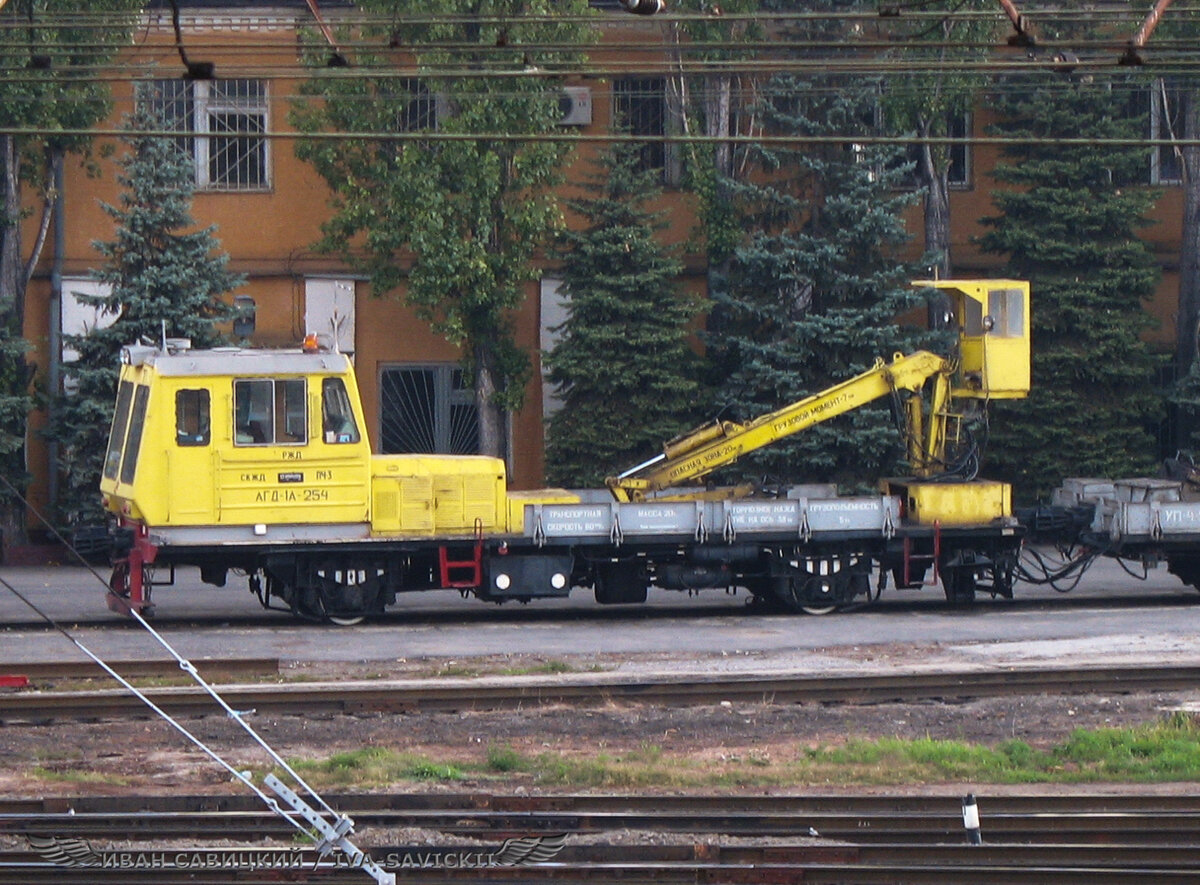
{"points": [[337, 418], [133, 440], [116, 436], [192, 418], [270, 411]]}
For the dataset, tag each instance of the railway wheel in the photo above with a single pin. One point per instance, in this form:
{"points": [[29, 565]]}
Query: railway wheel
{"points": [[345, 593], [806, 594], [821, 585]]}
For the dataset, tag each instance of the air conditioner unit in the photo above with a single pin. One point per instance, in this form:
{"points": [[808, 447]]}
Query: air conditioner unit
{"points": [[575, 102]]}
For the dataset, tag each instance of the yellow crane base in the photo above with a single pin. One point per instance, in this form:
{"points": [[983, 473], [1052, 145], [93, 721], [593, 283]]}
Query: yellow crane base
{"points": [[951, 503]]}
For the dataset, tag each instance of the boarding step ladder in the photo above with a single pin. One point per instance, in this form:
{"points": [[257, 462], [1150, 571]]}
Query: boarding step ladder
{"points": [[462, 574], [932, 558]]}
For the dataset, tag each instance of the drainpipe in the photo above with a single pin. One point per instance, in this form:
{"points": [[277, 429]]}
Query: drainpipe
{"points": [[55, 337]]}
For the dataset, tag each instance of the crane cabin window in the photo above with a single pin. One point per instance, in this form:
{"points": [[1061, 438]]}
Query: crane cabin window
{"points": [[270, 411], [192, 418], [1006, 308]]}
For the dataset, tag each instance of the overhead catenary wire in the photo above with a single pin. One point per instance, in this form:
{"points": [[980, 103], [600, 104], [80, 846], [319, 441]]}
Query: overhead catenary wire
{"points": [[782, 141], [215, 19]]}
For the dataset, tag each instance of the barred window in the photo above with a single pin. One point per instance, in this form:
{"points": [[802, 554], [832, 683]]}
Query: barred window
{"points": [[958, 174], [1166, 100], [427, 409], [412, 107], [225, 122], [640, 108], [416, 106]]}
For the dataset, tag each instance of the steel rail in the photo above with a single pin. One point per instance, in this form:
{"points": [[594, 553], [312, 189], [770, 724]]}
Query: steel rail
{"points": [[517, 692], [930, 871], [1088, 801], [1079, 828], [1032, 838]]}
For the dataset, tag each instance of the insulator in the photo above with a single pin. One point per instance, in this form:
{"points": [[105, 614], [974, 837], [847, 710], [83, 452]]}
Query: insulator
{"points": [[644, 7]]}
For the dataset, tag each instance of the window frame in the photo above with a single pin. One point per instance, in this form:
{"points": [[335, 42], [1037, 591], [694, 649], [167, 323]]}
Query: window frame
{"points": [[448, 391], [336, 411], [649, 93], [1164, 110], [280, 410], [137, 428], [116, 434], [192, 108], [189, 402], [958, 175]]}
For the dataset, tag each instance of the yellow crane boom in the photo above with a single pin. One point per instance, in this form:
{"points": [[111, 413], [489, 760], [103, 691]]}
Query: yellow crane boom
{"points": [[991, 361], [719, 443]]}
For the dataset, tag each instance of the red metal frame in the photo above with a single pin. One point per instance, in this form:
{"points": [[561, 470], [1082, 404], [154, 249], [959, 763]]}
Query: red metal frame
{"points": [[474, 565], [909, 557], [129, 574]]}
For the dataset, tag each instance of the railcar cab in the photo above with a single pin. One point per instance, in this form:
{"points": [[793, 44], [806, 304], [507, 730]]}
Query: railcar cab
{"points": [[250, 444]]}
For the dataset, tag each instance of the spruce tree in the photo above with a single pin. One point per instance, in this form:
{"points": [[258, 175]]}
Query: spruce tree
{"points": [[815, 289], [1069, 225], [160, 270], [623, 368]]}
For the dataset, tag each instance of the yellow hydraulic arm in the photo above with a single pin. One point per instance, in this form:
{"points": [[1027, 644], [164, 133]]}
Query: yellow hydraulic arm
{"points": [[991, 361], [714, 445]]}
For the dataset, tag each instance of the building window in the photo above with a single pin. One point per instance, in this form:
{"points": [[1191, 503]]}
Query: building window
{"points": [[410, 107], [1166, 101], [640, 109], [958, 175], [226, 126], [427, 410], [416, 106]]}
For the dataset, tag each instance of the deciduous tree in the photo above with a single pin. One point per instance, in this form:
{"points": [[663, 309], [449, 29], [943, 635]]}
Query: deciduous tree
{"points": [[453, 219]]}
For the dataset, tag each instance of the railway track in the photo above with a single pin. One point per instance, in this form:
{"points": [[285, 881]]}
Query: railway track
{"points": [[213, 669], [581, 690], [1058, 838]]}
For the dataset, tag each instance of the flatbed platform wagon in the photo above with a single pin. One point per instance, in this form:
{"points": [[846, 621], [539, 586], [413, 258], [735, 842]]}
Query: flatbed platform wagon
{"points": [[257, 462]]}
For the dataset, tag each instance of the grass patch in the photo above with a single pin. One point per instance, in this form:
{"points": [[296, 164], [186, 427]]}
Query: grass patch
{"points": [[76, 776], [505, 759], [545, 668], [451, 671], [1168, 750], [375, 765]]}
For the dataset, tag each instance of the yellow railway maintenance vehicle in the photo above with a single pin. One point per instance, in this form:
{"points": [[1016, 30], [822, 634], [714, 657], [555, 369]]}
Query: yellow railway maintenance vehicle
{"points": [[257, 461]]}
